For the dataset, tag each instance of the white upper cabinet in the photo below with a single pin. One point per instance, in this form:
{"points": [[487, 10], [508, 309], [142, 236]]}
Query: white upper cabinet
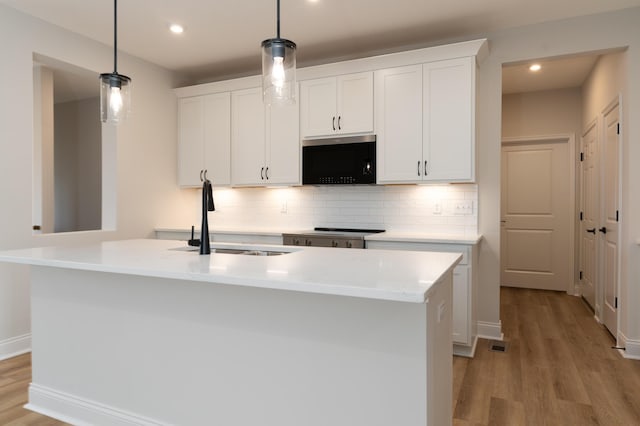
{"points": [[204, 140], [337, 105], [449, 120], [248, 137], [399, 124], [282, 147], [425, 121], [265, 141]]}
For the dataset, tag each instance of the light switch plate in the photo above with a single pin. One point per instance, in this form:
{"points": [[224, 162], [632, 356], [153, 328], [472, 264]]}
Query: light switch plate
{"points": [[463, 207]]}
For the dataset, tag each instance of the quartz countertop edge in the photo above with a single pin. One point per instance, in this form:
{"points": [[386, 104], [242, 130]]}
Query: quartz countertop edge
{"points": [[372, 274]]}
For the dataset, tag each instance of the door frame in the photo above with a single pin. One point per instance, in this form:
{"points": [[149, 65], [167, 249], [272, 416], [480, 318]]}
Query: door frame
{"points": [[570, 140], [615, 102]]}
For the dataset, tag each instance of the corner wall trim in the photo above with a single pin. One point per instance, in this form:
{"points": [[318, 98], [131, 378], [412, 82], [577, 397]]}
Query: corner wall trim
{"points": [[490, 330], [15, 346], [80, 411], [632, 347]]}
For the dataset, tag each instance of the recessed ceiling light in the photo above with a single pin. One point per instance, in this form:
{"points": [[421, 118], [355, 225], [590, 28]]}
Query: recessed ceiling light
{"points": [[535, 67], [176, 29]]}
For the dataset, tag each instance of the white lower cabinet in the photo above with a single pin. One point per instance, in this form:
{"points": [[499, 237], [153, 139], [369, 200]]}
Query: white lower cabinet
{"points": [[464, 288]]}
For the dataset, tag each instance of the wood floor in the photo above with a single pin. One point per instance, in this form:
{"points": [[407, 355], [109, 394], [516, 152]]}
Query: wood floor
{"points": [[559, 369]]}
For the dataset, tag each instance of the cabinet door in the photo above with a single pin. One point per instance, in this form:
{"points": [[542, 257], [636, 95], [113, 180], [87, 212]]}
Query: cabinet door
{"points": [[283, 145], [355, 103], [217, 137], [247, 137], [461, 301], [190, 141], [399, 124], [449, 108], [318, 107]]}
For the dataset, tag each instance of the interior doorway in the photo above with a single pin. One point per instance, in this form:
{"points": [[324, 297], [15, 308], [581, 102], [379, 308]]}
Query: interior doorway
{"points": [[573, 98]]}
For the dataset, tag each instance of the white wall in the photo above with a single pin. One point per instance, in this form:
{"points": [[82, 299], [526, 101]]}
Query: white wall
{"points": [[547, 112], [78, 165], [393, 208], [145, 154], [583, 34]]}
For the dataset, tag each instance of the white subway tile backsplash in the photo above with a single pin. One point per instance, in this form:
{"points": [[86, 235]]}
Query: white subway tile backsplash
{"points": [[410, 208]]}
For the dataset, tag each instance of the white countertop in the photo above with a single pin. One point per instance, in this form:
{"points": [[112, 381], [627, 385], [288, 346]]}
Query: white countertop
{"points": [[404, 276]]}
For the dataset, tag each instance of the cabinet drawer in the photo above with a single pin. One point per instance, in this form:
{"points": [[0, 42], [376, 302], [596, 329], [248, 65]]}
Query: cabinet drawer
{"points": [[403, 245]]}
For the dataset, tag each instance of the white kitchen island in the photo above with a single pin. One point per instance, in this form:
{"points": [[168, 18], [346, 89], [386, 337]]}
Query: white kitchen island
{"points": [[143, 332]]}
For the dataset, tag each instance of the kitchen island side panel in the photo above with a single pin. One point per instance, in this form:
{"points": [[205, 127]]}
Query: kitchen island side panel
{"points": [[165, 351]]}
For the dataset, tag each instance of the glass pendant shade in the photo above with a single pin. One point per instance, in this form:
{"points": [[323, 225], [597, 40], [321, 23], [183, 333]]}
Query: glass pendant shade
{"points": [[115, 97], [278, 71]]}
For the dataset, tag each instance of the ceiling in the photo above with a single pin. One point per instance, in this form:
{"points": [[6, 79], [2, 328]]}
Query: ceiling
{"points": [[555, 73], [222, 38]]}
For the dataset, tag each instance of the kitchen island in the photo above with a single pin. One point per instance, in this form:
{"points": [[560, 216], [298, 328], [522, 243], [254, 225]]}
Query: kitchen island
{"points": [[145, 332]]}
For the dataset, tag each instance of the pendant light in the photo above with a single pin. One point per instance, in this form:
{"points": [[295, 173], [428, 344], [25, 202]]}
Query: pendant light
{"points": [[115, 89], [278, 68]]}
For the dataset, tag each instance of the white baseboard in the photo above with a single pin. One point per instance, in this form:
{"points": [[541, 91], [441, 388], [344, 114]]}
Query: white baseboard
{"points": [[15, 346], [490, 330], [79, 411], [464, 350], [632, 347]]}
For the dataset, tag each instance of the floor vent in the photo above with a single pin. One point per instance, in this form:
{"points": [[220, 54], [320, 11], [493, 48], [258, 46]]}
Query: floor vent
{"points": [[498, 346]]}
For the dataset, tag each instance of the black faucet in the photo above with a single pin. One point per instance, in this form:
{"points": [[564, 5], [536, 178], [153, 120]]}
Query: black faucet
{"points": [[207, 206]]}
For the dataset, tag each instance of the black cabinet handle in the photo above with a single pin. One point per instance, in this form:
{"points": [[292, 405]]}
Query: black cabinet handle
{"points": [[425, 168], [603, 230], [334, 123], [592, 230], [201, 180], [262, 173], [339, 118], [418, 168], [266, 173], [205, 174]]}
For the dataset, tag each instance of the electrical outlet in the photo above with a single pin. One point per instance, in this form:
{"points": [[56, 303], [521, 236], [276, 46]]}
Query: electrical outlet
{"points": [[283, 207], [437, 208], [463, 207]]}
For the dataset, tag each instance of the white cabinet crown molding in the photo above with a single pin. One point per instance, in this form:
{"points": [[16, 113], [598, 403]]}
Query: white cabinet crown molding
{"points": [[478, 48]]}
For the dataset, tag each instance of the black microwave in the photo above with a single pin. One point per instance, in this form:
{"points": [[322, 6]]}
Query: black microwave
{"points": [[339, 161]]}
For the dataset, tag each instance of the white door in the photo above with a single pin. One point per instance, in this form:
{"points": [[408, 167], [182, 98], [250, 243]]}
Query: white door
{"points": [[247, 137], [190, 141], [399, 124], [217, 138], [535, 238], [589, 207], [283, 145], [318, 107], [448, 123], [609, 215], [355, 103]]}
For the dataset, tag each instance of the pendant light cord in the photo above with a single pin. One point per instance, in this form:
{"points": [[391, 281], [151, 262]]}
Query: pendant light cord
{"points": [[115, 36], [278, 18]]}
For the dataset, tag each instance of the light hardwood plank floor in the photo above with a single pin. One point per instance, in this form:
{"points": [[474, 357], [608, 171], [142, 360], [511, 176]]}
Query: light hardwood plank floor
{"points": [[559, 369]]}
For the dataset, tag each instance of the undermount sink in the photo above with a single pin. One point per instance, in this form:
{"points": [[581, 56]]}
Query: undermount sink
{"points": [[247, 252]]}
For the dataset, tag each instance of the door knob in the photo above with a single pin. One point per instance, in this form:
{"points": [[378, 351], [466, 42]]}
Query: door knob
{"points": [[592, 230], [603, 230]]}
